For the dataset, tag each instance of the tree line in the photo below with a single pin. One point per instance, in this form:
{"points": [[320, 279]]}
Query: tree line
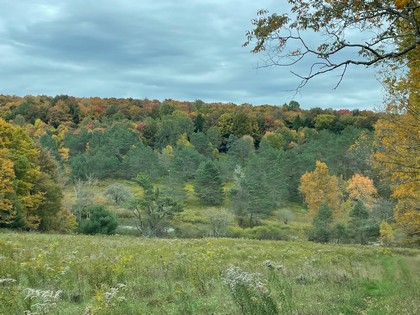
{"points": [[265, 170]]}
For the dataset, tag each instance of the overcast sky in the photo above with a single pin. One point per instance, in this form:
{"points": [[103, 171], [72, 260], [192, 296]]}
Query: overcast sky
{"points": [[156, 49]]}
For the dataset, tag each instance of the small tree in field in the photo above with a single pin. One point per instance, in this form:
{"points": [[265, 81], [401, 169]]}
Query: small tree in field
{"points": [[98, 221], [153, 210], [361, 226], [118, 193], [321, 230], [387, 236], [208, 186]]}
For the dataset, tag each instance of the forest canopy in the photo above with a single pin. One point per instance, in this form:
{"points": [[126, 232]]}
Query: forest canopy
{"points": [[257, 159]]}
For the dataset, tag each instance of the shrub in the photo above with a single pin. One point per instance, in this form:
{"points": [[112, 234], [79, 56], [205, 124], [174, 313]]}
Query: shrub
{"points": [[98, 221], [262, 232]]}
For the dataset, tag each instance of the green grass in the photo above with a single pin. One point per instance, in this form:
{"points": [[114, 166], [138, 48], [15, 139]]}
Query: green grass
{"points": [[194, 221], [130, 275]]}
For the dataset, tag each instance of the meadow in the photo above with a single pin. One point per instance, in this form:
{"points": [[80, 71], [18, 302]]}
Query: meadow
{"points": [[79, 274]]}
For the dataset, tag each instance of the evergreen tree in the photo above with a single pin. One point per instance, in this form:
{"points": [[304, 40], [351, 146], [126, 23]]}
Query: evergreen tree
{"points": [[321, 230], [208, 186], [99, 221], [48, 184], [260, 186], [361, 227]]}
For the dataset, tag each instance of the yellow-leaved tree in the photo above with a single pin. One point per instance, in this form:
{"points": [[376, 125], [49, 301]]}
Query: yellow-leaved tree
{"points": [[7, 192], [361, 188], [18, 149], [318, 188], [398, 138], [30, 193]]}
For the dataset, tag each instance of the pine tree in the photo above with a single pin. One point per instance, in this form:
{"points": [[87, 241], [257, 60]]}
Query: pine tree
{"points": [[208, 186], [361, 227], [321, 230]]}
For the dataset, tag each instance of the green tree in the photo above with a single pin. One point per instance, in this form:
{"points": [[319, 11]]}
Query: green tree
{"points": [[149, 131], [321, 225], [185, 163], [201, 143], [199, 123], [49, 185], [214, 136], [292, 106], [140, 159], [242, 148], [275, 139], [98, 221], [324, 121], [153, 210], [170, 128], [361, 226], [208, 185], [259, 187]]}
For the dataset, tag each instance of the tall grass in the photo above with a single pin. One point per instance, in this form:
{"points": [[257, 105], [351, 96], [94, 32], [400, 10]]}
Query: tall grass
{"points": [[73, 274]]}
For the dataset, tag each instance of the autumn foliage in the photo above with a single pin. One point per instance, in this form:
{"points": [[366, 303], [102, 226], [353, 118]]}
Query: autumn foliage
{"points": [[318, 188], [361, 188], [30, 196]]}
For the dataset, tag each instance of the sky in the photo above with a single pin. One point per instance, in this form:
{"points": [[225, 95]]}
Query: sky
{"points": [[158, 49]]}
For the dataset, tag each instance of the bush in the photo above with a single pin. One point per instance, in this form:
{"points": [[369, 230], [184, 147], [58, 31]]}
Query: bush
{"points": [[98, 221], [262, 232], [189, 230]]}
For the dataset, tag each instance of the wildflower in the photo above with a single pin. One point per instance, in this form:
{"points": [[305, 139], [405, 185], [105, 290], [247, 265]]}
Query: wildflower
{"points": [[6, 281], [235, 276], [46, 300]]}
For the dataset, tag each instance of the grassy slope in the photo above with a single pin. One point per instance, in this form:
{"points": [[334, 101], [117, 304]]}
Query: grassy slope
{"points": [[185, 276], [194, 220]]}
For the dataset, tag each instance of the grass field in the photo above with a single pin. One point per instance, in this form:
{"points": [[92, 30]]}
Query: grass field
{"points": [[74, 274]]}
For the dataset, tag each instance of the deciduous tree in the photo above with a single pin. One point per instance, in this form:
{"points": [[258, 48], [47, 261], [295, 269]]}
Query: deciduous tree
{"points": [[153, 210], [19, 152], [118, 193], [318, 188], [361, 188], [7, 192], [398, 134], [282, 35]]}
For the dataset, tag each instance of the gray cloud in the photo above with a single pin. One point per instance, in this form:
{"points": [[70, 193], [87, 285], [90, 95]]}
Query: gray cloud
{"points": [[182, 50]]}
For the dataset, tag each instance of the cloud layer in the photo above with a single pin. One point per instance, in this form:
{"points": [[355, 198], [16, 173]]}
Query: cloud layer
{"points": [[184, 50]]}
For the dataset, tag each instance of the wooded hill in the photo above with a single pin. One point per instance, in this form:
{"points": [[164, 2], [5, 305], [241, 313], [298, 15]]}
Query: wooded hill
{"points": [[251, 161]]}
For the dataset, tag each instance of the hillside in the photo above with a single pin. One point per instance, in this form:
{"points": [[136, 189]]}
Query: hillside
{"points": [[192, 169]]}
